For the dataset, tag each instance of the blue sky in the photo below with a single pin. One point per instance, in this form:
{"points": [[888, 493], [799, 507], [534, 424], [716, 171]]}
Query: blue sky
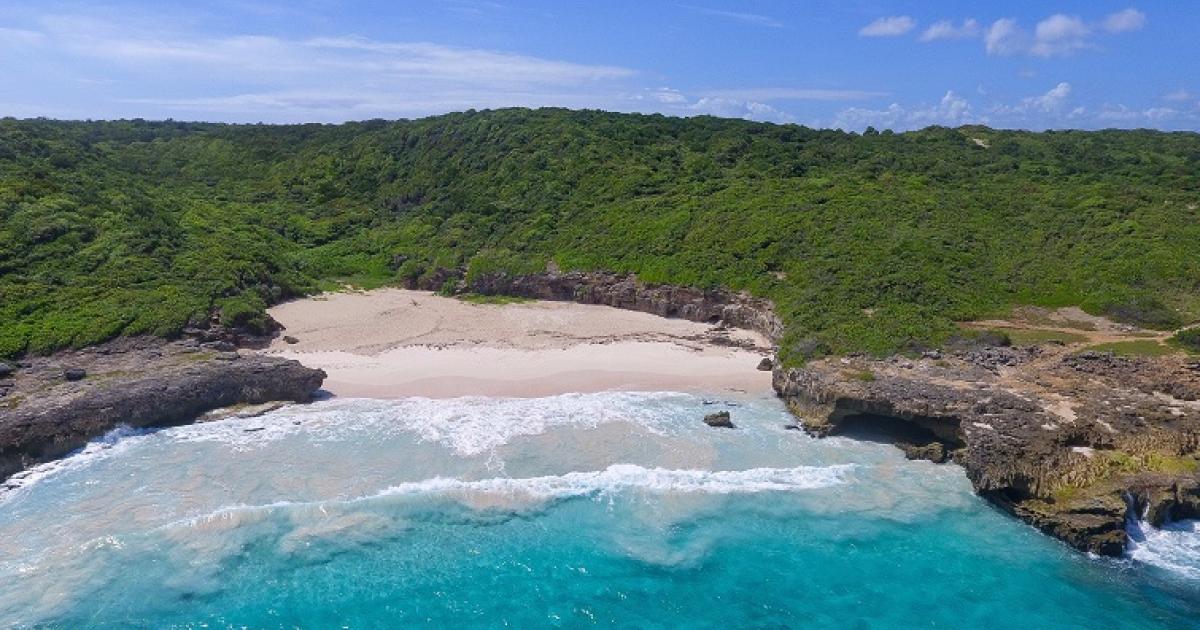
{"points": [[824, 63]]}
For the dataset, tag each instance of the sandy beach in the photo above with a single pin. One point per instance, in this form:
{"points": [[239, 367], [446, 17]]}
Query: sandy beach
{"points": [[393, 343]]}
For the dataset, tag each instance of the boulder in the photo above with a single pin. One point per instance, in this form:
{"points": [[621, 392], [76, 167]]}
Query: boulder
{"points": [[719, 419], [6, 369], [934, 451], [288, 339], [74, 374], [766, 365]]}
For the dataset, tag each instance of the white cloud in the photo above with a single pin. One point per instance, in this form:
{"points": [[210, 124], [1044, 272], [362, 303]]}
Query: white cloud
{"points": [[1180, 95], [20, 37], [666, 95], [795, 94], [952, 110], [892, 26], [945, 29], [731, 108], [1048, 106], [1158, 117], [748, 18], [162, 73], [1056, 36], [1051, 101], [671, 101], [1005, 37], [1124, 21], [1051, 109], [1059, 35]]}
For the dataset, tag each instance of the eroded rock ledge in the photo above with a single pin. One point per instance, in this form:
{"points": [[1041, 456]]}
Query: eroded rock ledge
{"points": [[625, 291], [1071, 443], [139, 382]]}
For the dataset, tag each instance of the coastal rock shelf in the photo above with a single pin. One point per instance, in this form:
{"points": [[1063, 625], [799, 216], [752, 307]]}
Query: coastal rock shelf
{"points": [[1073, 443], [625, 291], [138, 382]]}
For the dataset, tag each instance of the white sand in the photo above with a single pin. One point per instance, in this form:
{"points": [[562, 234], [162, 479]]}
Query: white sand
{"points": [[392, 343]]}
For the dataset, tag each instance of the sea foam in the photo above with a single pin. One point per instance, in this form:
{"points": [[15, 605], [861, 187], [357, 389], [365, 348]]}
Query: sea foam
{"points": [[1174, 546]]}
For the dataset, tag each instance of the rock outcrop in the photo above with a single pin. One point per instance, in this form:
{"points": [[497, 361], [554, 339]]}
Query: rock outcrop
{"points": [[719, 419], [625, 291], [136, 382], [1072, 443]]}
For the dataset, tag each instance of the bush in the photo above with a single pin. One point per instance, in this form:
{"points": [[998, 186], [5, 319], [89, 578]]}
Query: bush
{"points": [[1142, 310], [245, 312], [1188, 339]]}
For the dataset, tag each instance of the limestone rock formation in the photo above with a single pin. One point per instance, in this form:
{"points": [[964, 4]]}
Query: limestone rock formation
{"points": [[135, 382], [1072, 443], [719, 419], [625, 291]]}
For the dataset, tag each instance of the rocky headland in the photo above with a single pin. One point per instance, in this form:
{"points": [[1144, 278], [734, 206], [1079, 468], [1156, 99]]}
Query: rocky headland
{"points": [[1072, 441], [1075, 443], [52, 405]]}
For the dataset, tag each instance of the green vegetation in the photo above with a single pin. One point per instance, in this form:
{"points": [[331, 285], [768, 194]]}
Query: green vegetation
{"points": [[1188, 339], [475, 298], [1125, 463], [1034, 336], [872, 242], [865, 376], [1138, 348]]}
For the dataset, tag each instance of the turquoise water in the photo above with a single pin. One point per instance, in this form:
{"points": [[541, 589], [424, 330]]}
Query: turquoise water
{"points": [[614, 509]]}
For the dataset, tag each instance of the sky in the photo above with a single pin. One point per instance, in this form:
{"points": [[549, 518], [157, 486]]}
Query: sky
{"points": [[823, 63]]}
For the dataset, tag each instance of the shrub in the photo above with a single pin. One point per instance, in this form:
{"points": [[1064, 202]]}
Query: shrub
{"points": [[1188, 339]]}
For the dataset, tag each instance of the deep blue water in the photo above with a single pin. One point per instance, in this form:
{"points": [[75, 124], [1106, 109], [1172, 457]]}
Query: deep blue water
{"points": [[582, 510]]}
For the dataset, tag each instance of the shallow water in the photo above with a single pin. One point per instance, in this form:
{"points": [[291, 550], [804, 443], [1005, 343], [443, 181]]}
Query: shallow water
{"points": [[616, 509]]}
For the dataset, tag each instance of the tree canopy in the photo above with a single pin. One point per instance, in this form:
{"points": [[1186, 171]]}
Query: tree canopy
{"points": [[870, 242]]}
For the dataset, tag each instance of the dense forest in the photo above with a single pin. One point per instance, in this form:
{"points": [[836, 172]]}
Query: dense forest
{"points": [[866, 242]]}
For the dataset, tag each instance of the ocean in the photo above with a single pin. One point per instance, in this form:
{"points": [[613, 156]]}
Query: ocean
{"points": [[580, 510]]}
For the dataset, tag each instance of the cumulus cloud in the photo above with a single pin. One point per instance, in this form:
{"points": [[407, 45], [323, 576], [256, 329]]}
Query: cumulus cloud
{"points": [[1056, 36], [952, 110], [1051, 109], [1160, 117], [892, 26], [1124, 21], [734, 108], [1005, 37], [1059, 35], [671, 101], [1051, 101], [946, 29]]}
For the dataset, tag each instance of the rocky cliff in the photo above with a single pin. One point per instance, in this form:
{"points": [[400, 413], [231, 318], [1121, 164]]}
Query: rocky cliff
{"points": [[50, 406], [1073, 443], [737, 309]]}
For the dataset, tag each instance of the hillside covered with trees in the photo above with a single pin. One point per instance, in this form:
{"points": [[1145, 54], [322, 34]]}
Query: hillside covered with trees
{"points": [[871, 242]]}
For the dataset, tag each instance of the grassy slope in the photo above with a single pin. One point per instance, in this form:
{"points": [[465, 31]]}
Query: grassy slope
{"points": [[131, 227]]}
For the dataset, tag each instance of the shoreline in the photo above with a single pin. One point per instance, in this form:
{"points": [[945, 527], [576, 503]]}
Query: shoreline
{"points": [[395, 343]]}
